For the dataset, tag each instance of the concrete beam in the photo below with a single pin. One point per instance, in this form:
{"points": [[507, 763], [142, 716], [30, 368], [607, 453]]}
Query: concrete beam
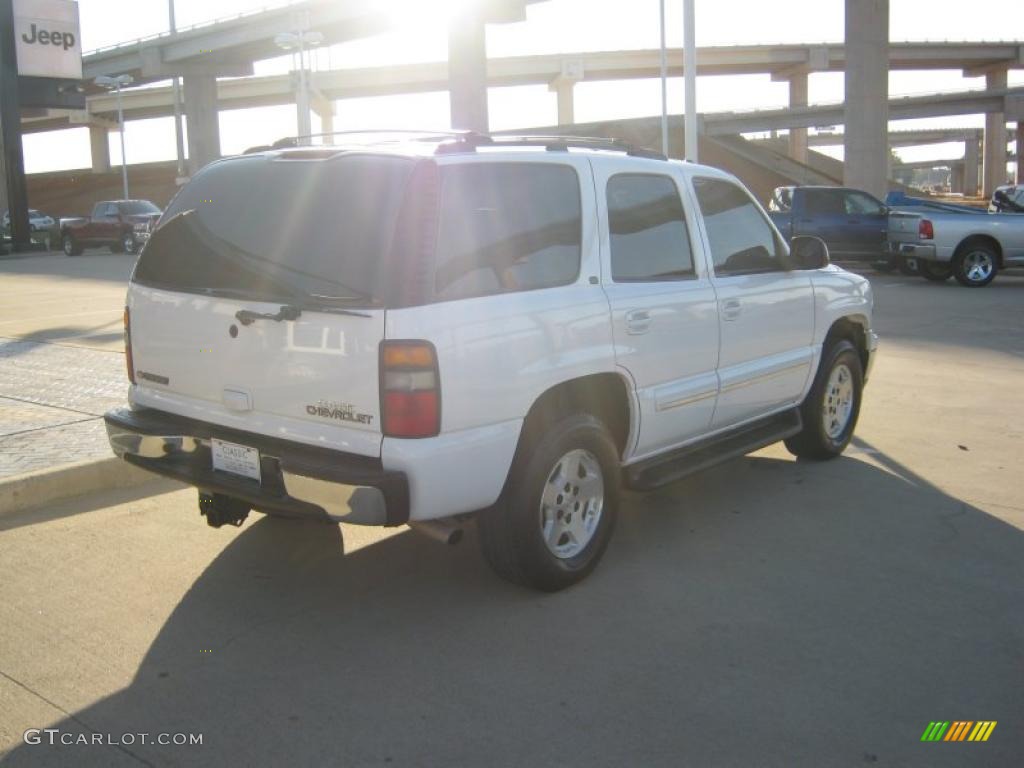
{"points": [[467, 72], [798, 136], [200, 96], [866, 145], [99, 146], [994, 169]]}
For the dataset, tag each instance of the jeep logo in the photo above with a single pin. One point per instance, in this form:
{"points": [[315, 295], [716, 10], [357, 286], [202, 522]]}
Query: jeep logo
{"points": [[35, 36]]}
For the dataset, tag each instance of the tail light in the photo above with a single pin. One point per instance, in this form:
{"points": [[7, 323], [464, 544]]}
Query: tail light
{"points": [[410, 389], [925, 230], [128, 346]]}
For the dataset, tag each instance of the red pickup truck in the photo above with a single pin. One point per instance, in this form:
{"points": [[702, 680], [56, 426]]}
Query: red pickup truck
{"points": [[123, 225]]}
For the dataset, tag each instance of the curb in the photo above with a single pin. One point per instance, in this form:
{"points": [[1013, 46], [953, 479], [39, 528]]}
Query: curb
{"points": [[47, 486]]}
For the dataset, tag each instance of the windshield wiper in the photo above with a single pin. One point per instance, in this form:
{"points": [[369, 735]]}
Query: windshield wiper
{"points": [[290, 312]]}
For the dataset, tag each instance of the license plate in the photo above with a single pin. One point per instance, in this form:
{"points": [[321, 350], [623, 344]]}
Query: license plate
{"points": [[236, 459]]}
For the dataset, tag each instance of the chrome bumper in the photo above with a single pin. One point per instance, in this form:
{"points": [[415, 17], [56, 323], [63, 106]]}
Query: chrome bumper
{"points": [[304, 481]]}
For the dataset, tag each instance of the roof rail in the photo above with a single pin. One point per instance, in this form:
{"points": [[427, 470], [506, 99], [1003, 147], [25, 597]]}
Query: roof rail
{"points": [[470, 142], [453, 142]]}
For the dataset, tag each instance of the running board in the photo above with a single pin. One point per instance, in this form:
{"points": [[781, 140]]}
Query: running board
{"points": [[675, 465]]}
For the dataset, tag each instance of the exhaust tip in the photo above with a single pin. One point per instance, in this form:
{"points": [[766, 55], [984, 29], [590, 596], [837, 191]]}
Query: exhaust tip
{"points": [[443, 530]]}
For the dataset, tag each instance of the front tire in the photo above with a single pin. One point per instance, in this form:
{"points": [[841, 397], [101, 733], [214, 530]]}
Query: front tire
{"points": [[975, 265], [556, 515], [936, 271], [832, 406], [128, 244]]}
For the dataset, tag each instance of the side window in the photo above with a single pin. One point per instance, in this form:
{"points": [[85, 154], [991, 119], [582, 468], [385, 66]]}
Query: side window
{"points": [[507, 227], [859, 203], [649, 239], [825, 202], [740, 237]]}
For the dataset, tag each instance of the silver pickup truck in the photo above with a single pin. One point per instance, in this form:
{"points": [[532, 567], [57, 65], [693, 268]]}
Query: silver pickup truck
{"points": [[971, 247]]}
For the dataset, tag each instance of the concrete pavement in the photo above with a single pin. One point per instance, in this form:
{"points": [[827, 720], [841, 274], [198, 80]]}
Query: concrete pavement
{"points": [[768, 612], [61, 357]]}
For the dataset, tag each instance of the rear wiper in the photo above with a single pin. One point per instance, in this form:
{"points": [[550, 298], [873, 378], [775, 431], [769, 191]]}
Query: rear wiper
{"points": [[289, 312]]}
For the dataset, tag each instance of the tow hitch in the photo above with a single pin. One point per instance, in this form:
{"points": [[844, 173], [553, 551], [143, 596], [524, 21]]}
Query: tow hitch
{"points": [[222, 510]]}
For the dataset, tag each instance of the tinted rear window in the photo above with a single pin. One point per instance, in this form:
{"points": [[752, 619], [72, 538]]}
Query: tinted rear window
{"points": [[507, 227], [262, 227]]}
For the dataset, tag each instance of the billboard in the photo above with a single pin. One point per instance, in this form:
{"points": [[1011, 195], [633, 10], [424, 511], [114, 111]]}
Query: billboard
{"points": [[47, 38]]}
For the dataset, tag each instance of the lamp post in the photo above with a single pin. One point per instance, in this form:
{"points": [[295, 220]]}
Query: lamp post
{"points": [[117, 83], [176, 92], [299, 41]]}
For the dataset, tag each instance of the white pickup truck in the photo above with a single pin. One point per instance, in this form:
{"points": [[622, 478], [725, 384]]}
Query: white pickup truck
{"points": [[432, 329], [970, 246]]}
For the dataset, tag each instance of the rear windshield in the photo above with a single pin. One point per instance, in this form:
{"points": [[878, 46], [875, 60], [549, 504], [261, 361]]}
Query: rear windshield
{"points": [[266, 228], [135, 207]]}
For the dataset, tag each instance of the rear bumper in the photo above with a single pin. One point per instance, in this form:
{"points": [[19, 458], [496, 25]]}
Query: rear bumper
{"points": [[924, 251], [296, 479]]}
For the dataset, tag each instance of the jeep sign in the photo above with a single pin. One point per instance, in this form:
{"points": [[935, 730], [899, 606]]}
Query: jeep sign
{"points": [[47, 38]]}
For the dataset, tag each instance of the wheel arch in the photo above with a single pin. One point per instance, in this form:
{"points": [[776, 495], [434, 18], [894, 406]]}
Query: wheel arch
{"points": [[604, 395], [982, 238], [852, 328]]}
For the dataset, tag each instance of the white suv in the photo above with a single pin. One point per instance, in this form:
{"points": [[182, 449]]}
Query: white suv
{"points": [[412, 331]]}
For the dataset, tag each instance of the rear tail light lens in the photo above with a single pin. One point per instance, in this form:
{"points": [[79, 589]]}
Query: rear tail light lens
{"points": [[410, 389], [926, 230], [128, 361]]}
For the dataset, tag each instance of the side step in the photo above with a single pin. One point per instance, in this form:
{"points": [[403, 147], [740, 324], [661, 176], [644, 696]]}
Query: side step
{"points": [[669, 467]]}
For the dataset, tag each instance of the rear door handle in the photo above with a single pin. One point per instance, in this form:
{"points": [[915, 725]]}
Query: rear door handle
{"points": [[638, 321], [731, 309]]}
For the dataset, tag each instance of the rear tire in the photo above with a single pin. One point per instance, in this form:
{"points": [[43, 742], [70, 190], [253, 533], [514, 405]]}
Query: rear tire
{"points": [[831, 408], [70, 245], [975, 265], [556, 515], [908, 267], [936, 271]]}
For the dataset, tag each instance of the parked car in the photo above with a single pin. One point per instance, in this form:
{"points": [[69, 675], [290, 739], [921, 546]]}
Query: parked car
{"points": [[498, 329], [852, 223], [1007, 199], [37, 221], [123, 225], [970, 246]]}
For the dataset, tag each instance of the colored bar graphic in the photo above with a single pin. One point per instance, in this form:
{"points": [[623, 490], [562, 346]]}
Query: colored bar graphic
{"points": [[958, 730]]}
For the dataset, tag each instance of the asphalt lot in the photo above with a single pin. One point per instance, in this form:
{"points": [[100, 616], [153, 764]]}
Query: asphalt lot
{"points": [[768, 612]]}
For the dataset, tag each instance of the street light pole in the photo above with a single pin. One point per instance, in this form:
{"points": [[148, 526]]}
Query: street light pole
{"points": [[664, 83], [105, 81], [124, 159], [690, 71], [179, 138], [299, 40]]}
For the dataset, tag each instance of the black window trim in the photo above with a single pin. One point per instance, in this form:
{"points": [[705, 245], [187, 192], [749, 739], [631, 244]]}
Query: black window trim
{"points": [[682, 277], [779, 241], [433, 297]]}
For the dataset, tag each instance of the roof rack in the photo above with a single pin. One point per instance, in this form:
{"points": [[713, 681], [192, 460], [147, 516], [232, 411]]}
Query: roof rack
{"points": [[453, 142], [470, 142]]}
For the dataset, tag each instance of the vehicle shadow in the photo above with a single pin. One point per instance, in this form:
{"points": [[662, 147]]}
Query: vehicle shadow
{"points": [[767, 612]]}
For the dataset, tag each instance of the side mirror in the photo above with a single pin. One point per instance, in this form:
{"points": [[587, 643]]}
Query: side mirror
{"points": [[808, 252]]}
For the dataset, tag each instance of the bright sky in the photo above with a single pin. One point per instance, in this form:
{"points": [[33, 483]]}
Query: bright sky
{"points": [[555, 26]]}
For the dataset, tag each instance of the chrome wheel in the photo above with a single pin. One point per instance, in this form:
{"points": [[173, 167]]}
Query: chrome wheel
{"points": [[978, 266], [128, 244], [838, 404], [69, 246], [571, 504]]}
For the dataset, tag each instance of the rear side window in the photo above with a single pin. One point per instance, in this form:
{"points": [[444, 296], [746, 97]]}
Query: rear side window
{"points": [[649, 239], [825, 202], [741, 240], [506, 227]]}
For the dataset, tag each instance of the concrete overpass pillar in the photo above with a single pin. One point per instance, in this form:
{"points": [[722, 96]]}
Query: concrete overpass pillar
{"points": [[798, 136], [100, 148], [201, 116], [1020, 151], [971, 167], [866, 137], [994, 170], [467, 72], [956, 178]]}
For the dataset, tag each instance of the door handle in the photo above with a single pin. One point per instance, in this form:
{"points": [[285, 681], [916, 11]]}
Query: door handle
{"points": [[638, 321], [731, 309]]}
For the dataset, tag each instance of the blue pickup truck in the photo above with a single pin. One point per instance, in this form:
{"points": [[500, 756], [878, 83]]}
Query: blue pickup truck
{"points": [[852, 223]]}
